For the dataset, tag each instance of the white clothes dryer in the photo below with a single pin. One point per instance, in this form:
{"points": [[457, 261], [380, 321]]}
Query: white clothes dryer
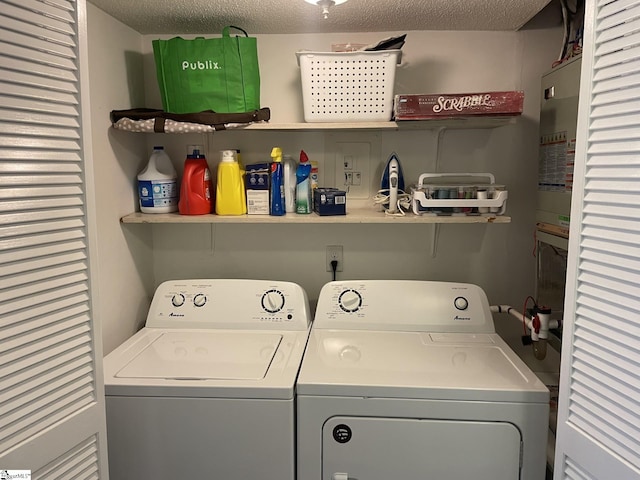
{"points": [[408, 380], [206, 389]]}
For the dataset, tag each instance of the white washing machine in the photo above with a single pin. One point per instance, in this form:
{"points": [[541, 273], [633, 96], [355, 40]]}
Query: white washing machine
{"points": [[206, 389], [408, 380]]}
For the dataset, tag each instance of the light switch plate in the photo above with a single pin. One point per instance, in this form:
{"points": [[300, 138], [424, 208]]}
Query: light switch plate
{"points": [[353, 169]]}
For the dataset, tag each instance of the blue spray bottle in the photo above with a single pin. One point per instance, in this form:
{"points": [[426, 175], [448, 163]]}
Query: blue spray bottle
{"points": [[276, 206]]}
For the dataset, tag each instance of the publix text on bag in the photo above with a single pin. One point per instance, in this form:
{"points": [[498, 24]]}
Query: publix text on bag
{"points": [[206, 65]]}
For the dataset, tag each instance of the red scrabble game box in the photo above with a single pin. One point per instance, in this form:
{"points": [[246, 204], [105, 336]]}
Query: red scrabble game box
{"points": [[430, 106]]}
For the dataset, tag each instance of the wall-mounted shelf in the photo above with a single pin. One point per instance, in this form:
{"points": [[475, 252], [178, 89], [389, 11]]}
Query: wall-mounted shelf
{"points": [[470, 122], [353, 216]]}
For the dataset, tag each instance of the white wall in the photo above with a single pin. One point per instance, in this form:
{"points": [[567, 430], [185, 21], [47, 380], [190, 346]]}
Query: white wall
{"points": [[497, 257], [124, 256]]}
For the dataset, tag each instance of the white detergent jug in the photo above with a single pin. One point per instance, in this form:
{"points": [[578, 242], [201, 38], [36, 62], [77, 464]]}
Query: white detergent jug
{"points": [[158, 184]]}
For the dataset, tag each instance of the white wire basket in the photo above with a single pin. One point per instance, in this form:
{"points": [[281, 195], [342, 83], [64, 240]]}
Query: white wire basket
{"points": [[458, 194], [348, 86]]}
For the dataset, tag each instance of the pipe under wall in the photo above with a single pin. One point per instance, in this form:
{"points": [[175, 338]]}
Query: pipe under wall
{"points": [[538, 339]]}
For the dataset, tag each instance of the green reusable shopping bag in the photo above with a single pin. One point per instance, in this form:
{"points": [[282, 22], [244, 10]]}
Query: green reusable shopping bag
{"points": [[219, 74]]}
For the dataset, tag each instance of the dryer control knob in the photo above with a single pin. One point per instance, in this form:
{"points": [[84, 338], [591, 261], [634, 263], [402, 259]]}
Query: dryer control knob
{"points": [[350, 301], [273, 301], [340, 476], [199, 300], [461, 303], [177, 300]]}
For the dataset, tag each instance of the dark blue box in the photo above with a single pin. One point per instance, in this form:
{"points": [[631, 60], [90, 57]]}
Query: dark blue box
{"points": [[329, 201]]}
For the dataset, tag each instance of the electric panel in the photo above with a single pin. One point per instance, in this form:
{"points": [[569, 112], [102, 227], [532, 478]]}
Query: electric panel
{"points": [[558, 125]]}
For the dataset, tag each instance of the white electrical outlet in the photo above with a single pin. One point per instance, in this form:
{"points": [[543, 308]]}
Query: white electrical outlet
{"points": [[334, 252]]}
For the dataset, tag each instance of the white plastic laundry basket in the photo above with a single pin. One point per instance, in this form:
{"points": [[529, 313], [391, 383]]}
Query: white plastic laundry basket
{"points": [[348, 86]]}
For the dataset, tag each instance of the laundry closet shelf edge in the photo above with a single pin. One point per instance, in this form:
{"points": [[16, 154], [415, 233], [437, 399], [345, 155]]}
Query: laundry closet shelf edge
{"points": [[359, 216], [468, 122]]}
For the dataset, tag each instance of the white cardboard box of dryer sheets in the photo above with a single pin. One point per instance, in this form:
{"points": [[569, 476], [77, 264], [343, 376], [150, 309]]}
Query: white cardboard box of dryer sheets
{"points": [[257, 187]]}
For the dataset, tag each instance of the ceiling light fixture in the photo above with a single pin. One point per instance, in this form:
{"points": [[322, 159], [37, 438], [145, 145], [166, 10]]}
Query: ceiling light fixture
{"points": [[325, 4]]}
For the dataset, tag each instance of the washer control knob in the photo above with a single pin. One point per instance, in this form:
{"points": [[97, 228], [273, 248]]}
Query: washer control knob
{"points": [[177, 300], [461, 303], [273, 301], [199, 300], [350, 300]]}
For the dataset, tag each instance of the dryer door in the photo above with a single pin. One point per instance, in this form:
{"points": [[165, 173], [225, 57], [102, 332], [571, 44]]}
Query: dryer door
{"points": [[405, 448]]}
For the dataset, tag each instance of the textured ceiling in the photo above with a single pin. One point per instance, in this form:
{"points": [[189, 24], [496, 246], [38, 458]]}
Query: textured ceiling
{"points": [[297, 16]]}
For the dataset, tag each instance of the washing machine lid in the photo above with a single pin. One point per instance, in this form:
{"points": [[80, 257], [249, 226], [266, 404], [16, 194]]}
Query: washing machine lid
{"points": [[204, 356], [205, 363], [449, 366]]}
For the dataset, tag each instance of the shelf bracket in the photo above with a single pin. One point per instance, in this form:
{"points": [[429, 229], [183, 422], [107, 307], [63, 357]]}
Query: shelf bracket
{"points": [[439, 138], [438, 153], [434, 239]]}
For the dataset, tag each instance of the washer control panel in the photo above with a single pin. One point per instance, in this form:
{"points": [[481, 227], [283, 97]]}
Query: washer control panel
{"points": [[233, 303], [404, 305]]}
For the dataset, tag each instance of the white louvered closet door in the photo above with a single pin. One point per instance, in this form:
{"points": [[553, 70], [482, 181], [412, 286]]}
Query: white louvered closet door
{"points": [[51, 395], [599, 410]]}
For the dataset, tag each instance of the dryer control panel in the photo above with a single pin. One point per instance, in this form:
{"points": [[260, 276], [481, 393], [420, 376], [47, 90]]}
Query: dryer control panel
{"points": [[230, 303], [404, 305]]}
